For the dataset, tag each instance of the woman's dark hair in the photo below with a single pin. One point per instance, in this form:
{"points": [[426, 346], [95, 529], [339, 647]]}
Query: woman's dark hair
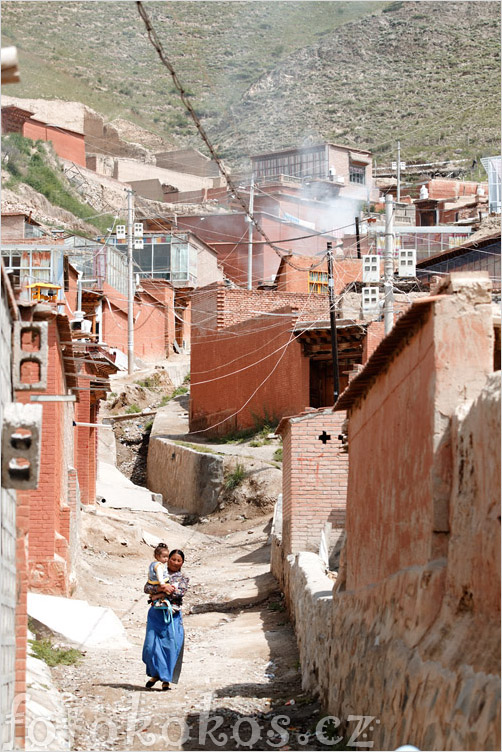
{"points": [[177, 551], [160, 548]]}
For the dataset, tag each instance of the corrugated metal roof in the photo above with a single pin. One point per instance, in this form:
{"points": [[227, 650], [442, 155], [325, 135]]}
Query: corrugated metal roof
{"points": [[458, 250], [386, 351]]}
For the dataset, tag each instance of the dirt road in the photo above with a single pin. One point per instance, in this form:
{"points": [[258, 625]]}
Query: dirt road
{"points": [[240, 671]]}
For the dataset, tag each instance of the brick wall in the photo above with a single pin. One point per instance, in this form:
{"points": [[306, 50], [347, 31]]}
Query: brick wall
{"points": [[291, 279], [314, 478], [444, 188], [48, 569], [83, 443], [374, 335], [217, 307]]}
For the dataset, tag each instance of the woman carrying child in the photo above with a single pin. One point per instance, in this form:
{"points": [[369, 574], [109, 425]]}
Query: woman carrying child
{"points": [[164, 640]]}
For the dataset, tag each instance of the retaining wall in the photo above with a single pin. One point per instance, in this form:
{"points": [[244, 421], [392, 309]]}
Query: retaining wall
{"points": [[188, 480]]}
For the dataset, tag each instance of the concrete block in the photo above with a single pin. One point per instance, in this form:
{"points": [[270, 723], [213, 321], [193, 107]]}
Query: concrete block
{"points": [[39, 355], [21, 445]]}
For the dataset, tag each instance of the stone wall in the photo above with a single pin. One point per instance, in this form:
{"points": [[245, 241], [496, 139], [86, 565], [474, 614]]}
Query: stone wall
{"points": [[189, 481]]}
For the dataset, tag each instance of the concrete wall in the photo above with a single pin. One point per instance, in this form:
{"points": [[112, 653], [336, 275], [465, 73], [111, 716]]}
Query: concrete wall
{"points": [[130, 169], [188, 480], [12, 227]]}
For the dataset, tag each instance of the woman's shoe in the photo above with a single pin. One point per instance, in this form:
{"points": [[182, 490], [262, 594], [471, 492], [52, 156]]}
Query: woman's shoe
{"points": [[165, 686], [151, 682]]}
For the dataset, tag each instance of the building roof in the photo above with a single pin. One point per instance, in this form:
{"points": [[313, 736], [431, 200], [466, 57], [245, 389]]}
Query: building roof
{"points": [[307, 148], [459, 250], [28, 218], [17, 111], [386, 351]]}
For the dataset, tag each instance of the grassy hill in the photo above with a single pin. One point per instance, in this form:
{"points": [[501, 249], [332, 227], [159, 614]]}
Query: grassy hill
{"points": [[265, 75]]}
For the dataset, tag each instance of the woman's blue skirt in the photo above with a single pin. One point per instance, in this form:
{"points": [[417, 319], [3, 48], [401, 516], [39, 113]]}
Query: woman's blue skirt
{"points": [[163, 646]]}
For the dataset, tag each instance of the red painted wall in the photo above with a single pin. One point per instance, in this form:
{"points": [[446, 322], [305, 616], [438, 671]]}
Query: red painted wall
{"points": [[222, 383], [400, 470], [67, 144], [149, 324]]}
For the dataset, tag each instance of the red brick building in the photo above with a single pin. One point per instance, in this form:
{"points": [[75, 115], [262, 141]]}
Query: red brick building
{"points": [[263, 354], [306, 274], [70, 377]]}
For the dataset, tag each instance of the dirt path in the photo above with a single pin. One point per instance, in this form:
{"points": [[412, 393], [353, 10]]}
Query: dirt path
{"points": [[240, 662], [240, 686]]}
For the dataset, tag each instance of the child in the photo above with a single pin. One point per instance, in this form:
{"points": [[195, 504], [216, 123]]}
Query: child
{"points": [[158, 575]]}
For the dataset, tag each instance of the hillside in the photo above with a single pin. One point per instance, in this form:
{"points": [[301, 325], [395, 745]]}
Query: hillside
{"points": [[266, 75]]}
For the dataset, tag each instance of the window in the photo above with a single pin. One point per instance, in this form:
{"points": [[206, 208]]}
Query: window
{"points": [[318, 282], [357, 174]]}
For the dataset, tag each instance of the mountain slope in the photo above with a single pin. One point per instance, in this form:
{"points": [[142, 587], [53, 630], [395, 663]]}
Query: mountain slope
{"points": [[98, 52], [424, 73]]}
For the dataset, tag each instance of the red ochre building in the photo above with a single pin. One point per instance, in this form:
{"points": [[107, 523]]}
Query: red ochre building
{"points": [[259, 355]]}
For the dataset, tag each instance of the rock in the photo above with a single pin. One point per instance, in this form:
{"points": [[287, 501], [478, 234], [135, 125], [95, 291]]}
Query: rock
{"points": [[78, 622]]}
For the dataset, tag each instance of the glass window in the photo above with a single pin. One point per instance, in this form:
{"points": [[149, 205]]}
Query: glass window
{"points": [[357, 174]]}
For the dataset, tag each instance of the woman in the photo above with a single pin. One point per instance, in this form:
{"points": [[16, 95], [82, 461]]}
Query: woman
{"points": [[165, 638]]}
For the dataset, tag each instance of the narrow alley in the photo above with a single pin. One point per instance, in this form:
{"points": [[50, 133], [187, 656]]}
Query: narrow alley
{"points": [[240, 685]]}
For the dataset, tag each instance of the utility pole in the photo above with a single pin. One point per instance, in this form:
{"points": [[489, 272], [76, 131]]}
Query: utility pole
{"points": [[358, 239], [388, 265], [398, 171], [332, 321], [250, 235], [130, 284]]}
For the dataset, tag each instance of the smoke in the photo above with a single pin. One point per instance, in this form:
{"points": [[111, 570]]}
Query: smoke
{"points": [[332, 211]]}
